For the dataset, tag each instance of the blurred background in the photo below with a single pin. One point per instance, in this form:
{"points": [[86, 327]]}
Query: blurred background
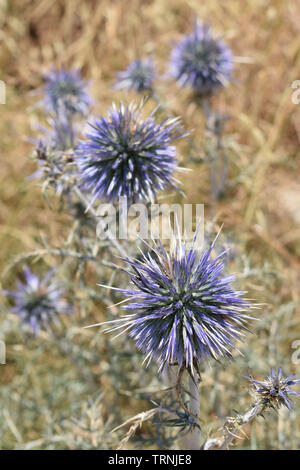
{"points": [[47, 402]]}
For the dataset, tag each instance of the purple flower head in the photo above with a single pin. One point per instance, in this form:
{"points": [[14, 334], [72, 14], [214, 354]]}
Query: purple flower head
{"points": [[274, 391], [38, 301], [184, 309], [65, 91], [202, 62], [128, 155], [138, 76]]}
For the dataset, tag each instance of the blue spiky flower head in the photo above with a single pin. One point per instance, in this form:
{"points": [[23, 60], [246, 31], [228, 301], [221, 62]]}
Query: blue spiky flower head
{"points": [[275, 390], [201, 61], [38, 301], [65, 91], [184, 309], [128, 155], [138, 76]]}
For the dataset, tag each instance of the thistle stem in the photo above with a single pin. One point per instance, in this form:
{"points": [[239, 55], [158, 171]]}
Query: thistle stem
{"points": [[246, 418], [193, 438], [218, 160], [233, 428]]}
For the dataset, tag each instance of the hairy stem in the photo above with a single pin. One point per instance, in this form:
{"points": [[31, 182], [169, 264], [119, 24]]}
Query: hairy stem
{"points": [[193, 438], [233, 428]]}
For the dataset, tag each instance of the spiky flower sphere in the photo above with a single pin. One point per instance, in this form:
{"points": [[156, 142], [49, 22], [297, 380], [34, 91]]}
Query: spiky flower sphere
{"points": [[38, 301], [184, 309], [65, 91], [201, 61], [138, 76], [128, 155], [274, 391]]}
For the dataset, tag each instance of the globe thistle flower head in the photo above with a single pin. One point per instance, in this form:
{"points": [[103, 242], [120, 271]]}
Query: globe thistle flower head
{"points": [[201, 61], [66, 91], [38, 301], [138, 76], [275, 390], [184, 309], [52, 156], [55, 170], [128, 155]]}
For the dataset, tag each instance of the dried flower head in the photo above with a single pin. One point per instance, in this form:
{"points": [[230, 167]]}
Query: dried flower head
{"points": [[38, 301], [185, 310], [65, 91], [201, 61], [53, 156], [274, 391], [128, 155], [138, 76], [54, 169]]}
